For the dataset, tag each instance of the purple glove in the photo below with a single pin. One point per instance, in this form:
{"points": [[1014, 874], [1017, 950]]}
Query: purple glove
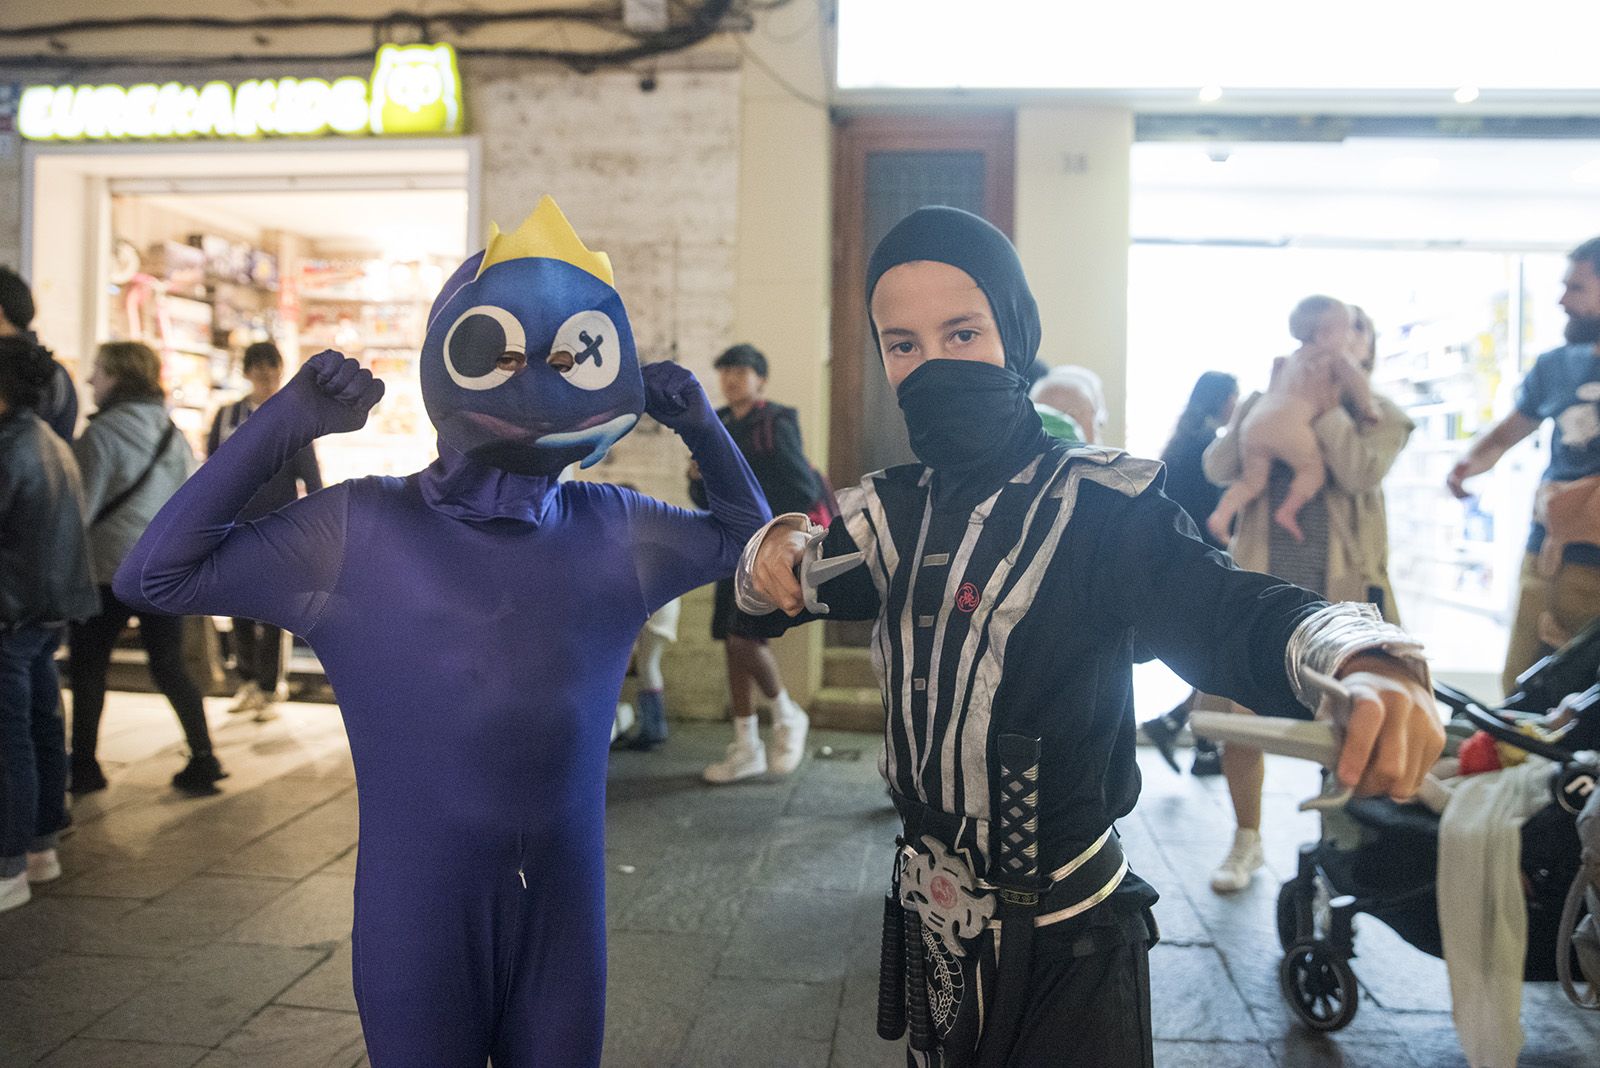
{"points": [[673, 397], [334, 392]]}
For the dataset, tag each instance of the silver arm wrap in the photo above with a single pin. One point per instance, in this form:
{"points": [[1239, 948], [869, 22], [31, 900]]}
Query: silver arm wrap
{"points": [[1331, 636], [745, 596]]}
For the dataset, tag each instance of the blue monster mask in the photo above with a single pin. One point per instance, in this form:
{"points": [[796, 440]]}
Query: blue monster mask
{"points": [[529, 362]]}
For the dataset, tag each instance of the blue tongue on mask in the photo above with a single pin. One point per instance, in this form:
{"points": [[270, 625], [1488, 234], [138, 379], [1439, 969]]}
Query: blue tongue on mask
{"points": [[602, 437]]}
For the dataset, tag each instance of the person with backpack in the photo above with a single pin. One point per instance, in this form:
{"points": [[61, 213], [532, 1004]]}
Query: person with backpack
{"points": [[769, 436], [132, 458]]}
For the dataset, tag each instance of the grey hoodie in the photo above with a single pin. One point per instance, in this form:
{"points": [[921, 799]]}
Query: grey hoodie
{"points": [[115, 447]]}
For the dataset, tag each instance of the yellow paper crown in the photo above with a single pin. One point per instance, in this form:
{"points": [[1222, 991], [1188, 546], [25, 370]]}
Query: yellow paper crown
{"points": [[545, 234]]}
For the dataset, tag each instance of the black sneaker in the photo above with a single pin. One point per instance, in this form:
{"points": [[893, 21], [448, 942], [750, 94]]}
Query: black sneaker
{"points": [[636, 742], [200, 776], [87, 778], [1163, 735], [1207, 759]]}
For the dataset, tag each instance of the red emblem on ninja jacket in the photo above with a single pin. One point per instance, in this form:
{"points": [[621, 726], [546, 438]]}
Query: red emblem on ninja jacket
{"points": [[967, 597], [943, 892]]}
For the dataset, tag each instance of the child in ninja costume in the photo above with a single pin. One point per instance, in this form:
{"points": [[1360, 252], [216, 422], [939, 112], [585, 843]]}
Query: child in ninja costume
{"points": [[454, 612], [1006, 574]]}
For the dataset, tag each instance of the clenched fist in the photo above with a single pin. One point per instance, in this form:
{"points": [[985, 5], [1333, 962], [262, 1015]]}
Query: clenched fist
{"points": [[336, 391], [674, 398]]}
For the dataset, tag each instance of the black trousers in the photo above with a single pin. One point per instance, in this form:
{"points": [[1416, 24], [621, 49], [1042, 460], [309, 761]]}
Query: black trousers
{"points": [[1091, 1011], [259, 649], [162, 637], [1085, 1009]]}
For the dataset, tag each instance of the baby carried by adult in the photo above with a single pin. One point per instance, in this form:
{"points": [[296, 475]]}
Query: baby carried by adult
{"points": [[1305, 384]]}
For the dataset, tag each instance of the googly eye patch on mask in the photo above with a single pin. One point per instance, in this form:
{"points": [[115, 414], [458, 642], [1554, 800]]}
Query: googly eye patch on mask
{"points": [[485, 347], [586, 351]]}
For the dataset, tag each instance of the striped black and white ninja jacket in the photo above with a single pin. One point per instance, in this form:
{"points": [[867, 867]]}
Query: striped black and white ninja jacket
{"points": [[1018, 616]]}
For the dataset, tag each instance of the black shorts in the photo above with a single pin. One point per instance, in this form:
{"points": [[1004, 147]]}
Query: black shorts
{"points": [[725, 616]]}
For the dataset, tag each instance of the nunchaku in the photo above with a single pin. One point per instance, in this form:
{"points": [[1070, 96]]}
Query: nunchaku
{"points": [[1016, 872], [919, 1018], [892, 970]]}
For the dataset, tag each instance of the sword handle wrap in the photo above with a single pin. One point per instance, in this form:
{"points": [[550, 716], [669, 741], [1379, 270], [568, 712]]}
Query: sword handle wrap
{"points": [[1017, 815], [919, 1020], [1016, 871], [892, 972]]}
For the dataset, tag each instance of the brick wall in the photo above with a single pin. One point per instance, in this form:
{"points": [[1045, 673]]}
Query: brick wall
{"points": [[652, 179]]}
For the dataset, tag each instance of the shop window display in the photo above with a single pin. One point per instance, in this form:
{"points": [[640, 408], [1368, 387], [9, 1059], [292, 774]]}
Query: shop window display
{"points": [[200, 297]]}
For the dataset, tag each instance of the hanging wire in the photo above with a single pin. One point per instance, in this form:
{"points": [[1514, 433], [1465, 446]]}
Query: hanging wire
{"points": [[700, 21]]}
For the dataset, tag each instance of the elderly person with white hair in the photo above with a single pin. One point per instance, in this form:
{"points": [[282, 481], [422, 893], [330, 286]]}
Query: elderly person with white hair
{"points": [[1072, 403]]}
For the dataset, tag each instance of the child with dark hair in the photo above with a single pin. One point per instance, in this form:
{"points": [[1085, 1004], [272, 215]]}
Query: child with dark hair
{"points": [[44, 583], [259, 648], [769, 436]]}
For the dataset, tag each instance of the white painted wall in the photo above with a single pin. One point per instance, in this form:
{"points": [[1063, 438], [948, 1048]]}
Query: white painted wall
{"points": [[1072, 234], [782, 281]]}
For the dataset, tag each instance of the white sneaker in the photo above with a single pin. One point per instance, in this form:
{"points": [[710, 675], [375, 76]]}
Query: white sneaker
{"points": [[266, 711], [248, 699], [622, 722], [14, 891], [742, 762], [1241, 863], [789, 739], [43, 866]]}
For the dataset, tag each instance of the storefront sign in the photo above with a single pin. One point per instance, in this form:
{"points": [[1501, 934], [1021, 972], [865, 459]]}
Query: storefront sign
{"points": [[414, 89]]}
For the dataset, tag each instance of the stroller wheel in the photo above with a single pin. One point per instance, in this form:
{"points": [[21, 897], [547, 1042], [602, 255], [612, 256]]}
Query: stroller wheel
{"points": [[1319, 986], [1289, 908]]}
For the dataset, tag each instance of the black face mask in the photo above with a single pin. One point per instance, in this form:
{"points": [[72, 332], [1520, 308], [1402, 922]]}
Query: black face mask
{"points": [[1583, 330], [966, 417]]}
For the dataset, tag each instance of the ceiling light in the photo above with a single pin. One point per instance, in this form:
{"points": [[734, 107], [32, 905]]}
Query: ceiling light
{"points": [[1211, 94], [1466, 94], [1587, 173]]}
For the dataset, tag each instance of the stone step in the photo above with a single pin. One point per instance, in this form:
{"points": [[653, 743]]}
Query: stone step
{"points": [[847, 708], [848, 667]]}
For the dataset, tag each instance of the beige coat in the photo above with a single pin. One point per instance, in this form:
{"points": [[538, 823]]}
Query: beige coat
{"points": [[1358, 458]]}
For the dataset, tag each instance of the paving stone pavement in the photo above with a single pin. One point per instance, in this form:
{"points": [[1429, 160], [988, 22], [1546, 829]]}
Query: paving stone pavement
{"points": [[743, 920]]}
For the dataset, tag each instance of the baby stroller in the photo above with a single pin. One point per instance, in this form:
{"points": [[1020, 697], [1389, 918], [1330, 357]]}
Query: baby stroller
{"points": [[1381, 858]]}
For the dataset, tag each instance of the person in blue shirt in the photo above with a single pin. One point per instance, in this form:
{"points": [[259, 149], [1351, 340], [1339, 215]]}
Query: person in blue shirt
{"points": [[1559, 589]]}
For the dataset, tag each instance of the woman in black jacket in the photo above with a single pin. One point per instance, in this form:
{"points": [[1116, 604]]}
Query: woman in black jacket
{"points": [[44, 583], [1210, 406]]}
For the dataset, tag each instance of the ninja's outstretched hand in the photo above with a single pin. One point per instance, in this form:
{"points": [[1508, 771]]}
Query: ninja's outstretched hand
{"points": [[674, 398], [335, 391]]}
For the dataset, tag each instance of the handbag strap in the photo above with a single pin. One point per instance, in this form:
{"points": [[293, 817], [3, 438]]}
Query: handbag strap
{"points": [[144, 476]]}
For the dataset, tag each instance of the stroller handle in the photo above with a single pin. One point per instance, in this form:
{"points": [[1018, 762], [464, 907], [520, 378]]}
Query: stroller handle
{"points": [[1496, 727]]}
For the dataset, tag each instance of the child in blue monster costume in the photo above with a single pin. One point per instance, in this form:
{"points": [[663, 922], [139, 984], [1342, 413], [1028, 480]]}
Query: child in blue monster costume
{"points": [[458, 613]]}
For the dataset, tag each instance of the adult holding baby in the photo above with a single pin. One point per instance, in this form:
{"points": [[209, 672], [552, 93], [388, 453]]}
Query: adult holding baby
{"points": [[1344, 549]]}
